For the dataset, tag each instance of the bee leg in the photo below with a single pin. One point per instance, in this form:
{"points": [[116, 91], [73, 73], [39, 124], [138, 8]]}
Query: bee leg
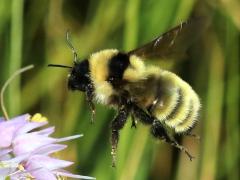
{"points": [[193, 135], [89, 95], [188, 133], [117, 125], [160, 132], [134, 122], [142, 115], [182, 148]]}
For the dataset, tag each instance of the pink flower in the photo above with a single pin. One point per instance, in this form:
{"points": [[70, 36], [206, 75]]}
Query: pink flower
{"points": [[26, 153]]}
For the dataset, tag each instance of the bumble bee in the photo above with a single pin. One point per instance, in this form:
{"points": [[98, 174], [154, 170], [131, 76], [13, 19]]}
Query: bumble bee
{"points": [[152, 95]]}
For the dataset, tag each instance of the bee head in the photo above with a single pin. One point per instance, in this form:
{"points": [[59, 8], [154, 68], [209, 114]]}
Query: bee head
{"points": [[79, 78]]}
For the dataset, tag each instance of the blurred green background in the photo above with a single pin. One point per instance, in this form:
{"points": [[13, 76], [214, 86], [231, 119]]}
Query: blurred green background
{"points": [[33, 32]]}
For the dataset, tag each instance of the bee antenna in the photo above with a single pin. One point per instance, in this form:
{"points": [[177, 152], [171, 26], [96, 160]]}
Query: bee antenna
{"points": [[59, 65], [71, 46]]}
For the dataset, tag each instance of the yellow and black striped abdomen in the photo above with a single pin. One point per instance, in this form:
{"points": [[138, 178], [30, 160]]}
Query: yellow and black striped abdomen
{"points": [[177, 105], [165, 95]]}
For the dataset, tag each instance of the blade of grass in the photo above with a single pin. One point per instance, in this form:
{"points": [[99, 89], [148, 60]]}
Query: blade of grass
{"points": [[214, 105], [4, 13], [231, 146], [131, 24], [133, 161], [15, 54], [183, 10]]}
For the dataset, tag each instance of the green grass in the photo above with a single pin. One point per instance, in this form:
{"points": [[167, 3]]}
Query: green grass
{"points": [[33, 32]]}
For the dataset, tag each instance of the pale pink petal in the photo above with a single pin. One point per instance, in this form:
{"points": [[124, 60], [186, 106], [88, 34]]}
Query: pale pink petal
{"points": [[29, 142], [2, 119], [7, 168], [9, 128], [4, 151], [38, 174], [5, 157], [7, 136], [45, 132], [30, 126], [18, 159], [43, 174], [38, 161], [4, 172], [69, 138], [49, 149], [68, 174]]}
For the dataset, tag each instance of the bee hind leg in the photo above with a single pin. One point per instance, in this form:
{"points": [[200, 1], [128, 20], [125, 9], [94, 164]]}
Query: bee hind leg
{"points": [[160, 132], [193, 135], [117, 125]]}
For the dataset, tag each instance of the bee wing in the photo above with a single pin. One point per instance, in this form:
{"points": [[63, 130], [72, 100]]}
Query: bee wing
{"points": [[172, 44]]}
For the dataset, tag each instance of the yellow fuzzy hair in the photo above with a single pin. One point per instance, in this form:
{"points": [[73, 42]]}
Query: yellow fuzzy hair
{"points": [[135, 71], [99, 73], [178, 98], [183, 109], [170, 97], [191, 120], [167, 105]]}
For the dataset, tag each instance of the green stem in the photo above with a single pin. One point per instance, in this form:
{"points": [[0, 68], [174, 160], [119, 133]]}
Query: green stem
{"points": [[18, 72]]}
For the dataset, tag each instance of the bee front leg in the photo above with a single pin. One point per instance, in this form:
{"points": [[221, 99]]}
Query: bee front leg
{"points": [[89, 95], [117, 125]]}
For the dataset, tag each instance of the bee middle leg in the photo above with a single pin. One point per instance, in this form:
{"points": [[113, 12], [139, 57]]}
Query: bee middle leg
{"points": [[117, 125], [140, 114], [160, 132]]}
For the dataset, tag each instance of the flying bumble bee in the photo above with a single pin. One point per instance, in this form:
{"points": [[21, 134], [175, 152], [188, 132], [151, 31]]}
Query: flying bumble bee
{"points": [[147, 93]]}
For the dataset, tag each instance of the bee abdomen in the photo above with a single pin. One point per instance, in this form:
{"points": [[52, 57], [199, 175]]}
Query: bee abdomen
{"points": [[183, 109], [192, 117], [178, 105], [165, 106]]}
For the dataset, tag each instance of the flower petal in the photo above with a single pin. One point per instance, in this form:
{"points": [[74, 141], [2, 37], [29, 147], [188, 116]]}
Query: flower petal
{"points": [[29, 142], [4, 152], [38, 174], [30, 126], [7, 168], [46, 132], [43, 174], [69, 138], [9, 128], [2, 119], [42, 161], [49, 149], [16, 160], [68, 174]]}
